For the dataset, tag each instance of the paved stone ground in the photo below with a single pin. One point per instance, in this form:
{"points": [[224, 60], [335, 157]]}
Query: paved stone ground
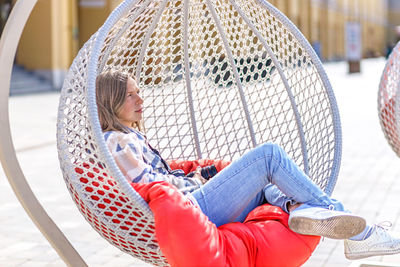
{"points": [[367, 184]]}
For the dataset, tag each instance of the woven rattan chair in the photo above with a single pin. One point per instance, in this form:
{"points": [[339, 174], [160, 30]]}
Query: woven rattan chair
{"points": [[389, 100], [218, 78]]}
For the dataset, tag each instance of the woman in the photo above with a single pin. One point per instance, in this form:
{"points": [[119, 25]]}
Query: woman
{"points": [[263, 174]]}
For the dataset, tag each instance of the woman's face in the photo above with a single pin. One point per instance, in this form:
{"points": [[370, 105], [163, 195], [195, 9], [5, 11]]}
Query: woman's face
{"points": [[132, 108]]}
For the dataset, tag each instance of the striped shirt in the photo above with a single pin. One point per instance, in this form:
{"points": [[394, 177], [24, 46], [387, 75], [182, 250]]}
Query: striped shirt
{"points": [[140, 163]]}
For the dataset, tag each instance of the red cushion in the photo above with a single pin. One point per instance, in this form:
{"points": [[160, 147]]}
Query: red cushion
{"points": [[388, 119], [187, 238], [191, 165]]}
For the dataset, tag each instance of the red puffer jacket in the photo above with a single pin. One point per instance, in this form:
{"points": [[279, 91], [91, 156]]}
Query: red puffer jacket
{"points": [[187, 238]]}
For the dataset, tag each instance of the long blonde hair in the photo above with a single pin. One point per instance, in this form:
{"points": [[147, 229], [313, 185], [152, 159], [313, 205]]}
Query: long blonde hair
{"points": [[110, 97]]}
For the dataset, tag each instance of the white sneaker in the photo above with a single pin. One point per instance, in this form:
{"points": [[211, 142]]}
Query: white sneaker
{"points": [[325, 222], [380, 242]]}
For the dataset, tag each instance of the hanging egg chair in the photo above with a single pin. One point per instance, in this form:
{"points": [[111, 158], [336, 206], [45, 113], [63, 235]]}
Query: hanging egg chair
{"points": [[218, 77], [389, 100]]}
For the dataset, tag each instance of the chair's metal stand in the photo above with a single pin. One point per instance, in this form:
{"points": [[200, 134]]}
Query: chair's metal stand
{"points": [[8, 46]]}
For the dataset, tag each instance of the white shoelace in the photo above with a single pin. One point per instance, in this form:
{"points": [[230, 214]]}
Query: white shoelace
{"points": [[381, 229]]}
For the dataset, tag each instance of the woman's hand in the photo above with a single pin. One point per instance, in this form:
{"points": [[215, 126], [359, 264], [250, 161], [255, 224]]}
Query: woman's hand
{"points": [[292, 207], [197, 174]]}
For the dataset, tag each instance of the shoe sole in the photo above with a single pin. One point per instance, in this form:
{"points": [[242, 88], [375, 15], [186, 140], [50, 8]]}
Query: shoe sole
{"points": [[370, 254], [335, 227]]}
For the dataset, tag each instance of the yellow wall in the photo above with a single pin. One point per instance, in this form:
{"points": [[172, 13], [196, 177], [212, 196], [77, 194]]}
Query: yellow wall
{"points": [[91, 18], [56, 30], [48, 41], [61, 34], [54, 33], [304, 17], [35, 43]]}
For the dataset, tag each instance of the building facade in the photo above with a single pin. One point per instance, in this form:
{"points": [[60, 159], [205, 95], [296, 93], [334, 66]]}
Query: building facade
{"points": [[393, 35], [58, 28], [323, 22]]}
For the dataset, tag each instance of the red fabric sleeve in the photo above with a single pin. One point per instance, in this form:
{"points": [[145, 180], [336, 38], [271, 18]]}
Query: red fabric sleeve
{"points": [[187, 238]]}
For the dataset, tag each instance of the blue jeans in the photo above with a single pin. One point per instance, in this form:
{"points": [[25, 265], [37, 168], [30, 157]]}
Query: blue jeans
{"points": [[263, 174]]}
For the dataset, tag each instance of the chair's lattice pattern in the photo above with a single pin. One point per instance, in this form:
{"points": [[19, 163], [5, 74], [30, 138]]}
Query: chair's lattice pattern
{"points": [[389, 100], [218, 77]]}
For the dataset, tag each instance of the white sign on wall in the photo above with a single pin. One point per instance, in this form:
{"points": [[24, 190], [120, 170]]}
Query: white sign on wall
{"points": [[92, 3], [353, 41]]}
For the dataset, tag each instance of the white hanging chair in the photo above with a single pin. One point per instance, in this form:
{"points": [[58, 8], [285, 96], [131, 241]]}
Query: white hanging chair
{"points": [[218, 77], [389, 100]]}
